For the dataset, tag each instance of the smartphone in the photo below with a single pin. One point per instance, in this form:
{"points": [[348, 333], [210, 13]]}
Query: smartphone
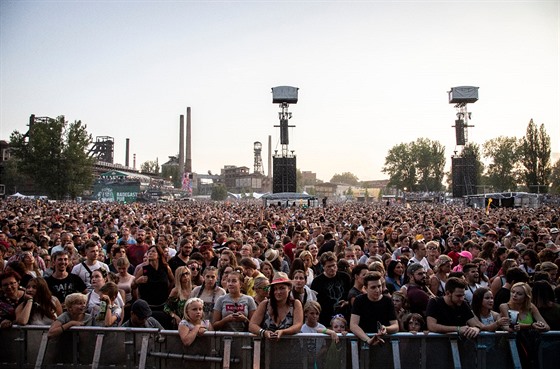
{"points": [[513, 317]]}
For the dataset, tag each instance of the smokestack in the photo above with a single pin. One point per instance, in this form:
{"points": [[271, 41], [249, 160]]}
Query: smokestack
{"points": [[188, 163], [181, 145], [127, 153], [269, 156], [134, 161]]}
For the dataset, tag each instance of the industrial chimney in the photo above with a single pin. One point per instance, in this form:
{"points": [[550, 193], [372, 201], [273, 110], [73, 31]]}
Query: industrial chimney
{"points": [[181, 145], [127, 153], [188, 162]]}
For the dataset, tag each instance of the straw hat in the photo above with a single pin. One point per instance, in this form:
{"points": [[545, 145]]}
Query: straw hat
{"points": [[280, 278]]}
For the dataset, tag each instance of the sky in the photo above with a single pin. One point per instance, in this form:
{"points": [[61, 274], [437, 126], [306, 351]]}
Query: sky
{"points": [[371, 74]]}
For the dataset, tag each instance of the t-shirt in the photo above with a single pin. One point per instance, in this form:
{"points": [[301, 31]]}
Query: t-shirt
{"points": [[227, 306], [81, 271], [64, 287], [330, 291], [65, 318], [372, 312], [417, 299], [449, 315], [307, 329]]}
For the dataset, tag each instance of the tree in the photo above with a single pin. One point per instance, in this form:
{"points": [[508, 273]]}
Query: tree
{"points": [[219, 192], [555, 178], [173, 172], [54, 156], [504, 153], [535, 157], [472, 149], [416, 165], [150, 166], [346, 178]]}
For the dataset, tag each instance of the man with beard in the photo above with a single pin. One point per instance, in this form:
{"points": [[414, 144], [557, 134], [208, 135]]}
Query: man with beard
{"points": [[332, 288], [417, 291], [135, 252], [60, 282], [472, 277], [182, 256]]}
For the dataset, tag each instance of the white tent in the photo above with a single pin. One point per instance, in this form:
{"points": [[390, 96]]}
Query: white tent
{"points": [[18, 195]]}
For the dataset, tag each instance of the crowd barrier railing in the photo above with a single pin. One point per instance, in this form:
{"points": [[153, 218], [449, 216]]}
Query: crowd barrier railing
{"points": [[128, 348]]}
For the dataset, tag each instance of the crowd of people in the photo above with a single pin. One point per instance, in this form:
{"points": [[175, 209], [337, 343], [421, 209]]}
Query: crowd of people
{"points": [[371, 269]]}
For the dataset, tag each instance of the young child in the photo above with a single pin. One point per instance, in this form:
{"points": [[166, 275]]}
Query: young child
{"points": [[311, 310], [111, 317], [193, 325], [339, 324]]}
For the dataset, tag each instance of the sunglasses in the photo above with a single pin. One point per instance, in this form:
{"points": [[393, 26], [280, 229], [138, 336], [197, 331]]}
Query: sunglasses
{"points": [[194, 268]]}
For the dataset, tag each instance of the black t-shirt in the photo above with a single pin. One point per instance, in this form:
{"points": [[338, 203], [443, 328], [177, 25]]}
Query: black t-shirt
{"points": [[64, 287], [449, 315], [329, 292], [175, 262], [371, 312]]}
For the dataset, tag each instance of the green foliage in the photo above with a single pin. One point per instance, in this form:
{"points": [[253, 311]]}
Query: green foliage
{"points": [[55, 157], [346, 178], [535, 157], [416, 165], [150, 166], [502, 172], [555, 178], [219, 192], [173, 172]]}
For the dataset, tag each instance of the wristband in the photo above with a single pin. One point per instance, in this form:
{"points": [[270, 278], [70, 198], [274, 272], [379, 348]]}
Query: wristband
{"points": [[324, 330], [261, 332]]}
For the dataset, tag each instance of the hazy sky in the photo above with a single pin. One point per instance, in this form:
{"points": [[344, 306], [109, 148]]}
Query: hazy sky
{"points": [[371, 74]]}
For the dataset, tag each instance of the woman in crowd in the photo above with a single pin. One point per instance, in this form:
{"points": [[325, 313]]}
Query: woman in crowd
{"points": [[40, 307], [281, 315], [11, 297], [175, 304], [19, 268], [301, 290], [530, 261], [400, 303], [155, 279], [315, 264], [209, 291], [227, 258], [126, 280], [233, 311], [267, 270], [482, 303], [433, 252], [196, 272], [357, 274], [75, 315], [395, 276], [441, 273], [118, 252], [262, 285], [544, 300], [94, 301], [500, 279], [307, 259], [528, 316], [30, 264]]}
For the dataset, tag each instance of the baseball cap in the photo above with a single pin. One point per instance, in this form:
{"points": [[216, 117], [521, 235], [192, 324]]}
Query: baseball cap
{"points": [[141, 309]]}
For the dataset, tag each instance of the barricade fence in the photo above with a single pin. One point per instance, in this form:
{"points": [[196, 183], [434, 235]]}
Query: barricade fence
{"points": [[127, 348]]}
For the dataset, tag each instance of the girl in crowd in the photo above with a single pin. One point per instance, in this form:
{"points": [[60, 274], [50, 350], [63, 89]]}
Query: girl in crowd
{"points": [[281, 315], [75, 315], [194, 324], [175, 305], [125, 283], [209, 291], [482, 303], [154, 279], [300, 290], [441, 273], [315, 264], [307, 259], [339, 324], [262, 285], [413, 323], [94, 298], [40, 307], [395, 276], [311, 311], [233, 311]]}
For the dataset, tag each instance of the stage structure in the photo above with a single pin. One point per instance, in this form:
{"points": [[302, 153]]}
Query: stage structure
{"points": [[284, 168], [463, 165]]}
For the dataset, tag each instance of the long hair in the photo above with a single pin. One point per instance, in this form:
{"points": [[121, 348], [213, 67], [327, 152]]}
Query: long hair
{"points": [[183, 293], [43, 298], [477, 299], [274, 302], [161, 256]]}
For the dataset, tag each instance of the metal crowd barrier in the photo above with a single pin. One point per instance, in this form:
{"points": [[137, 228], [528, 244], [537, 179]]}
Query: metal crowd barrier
{"points": [[126, 348]]}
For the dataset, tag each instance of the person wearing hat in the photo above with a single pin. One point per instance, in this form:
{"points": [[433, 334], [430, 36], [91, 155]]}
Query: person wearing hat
{"points": [[464, 258], [141, 316], [281, 314], [455, 246], [441, 273]]}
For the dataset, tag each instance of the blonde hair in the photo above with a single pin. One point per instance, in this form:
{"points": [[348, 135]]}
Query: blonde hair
{"points": [[183, 294], [526, 306], [188, 303], [312, 305]]}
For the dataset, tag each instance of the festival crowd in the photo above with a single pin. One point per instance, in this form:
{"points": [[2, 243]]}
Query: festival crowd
{"points": [[370, 269]]}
